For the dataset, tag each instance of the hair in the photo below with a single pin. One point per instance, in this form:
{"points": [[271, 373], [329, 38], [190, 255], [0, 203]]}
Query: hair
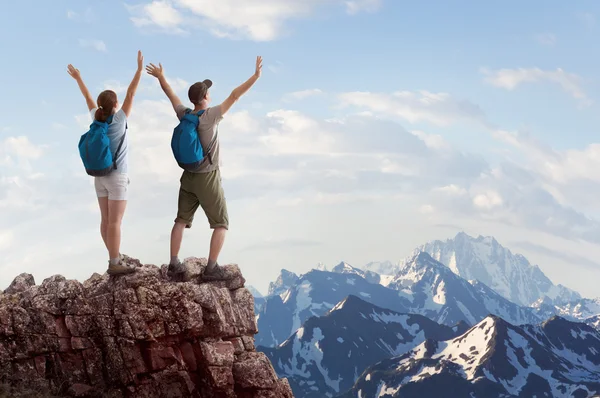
{"points": [[107, 100], [197, 92]]}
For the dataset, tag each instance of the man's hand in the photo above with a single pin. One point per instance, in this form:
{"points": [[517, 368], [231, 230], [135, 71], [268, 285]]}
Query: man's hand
{"points": [[156, 71], [140, 61], [258, 66], [74, 72]]}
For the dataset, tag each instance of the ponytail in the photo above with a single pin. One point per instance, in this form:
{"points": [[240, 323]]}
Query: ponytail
{"points": [[101, 115], [107, 100]]}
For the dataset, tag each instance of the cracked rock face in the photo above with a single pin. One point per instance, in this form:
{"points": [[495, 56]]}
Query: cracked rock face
{"points": [[140, 335]]}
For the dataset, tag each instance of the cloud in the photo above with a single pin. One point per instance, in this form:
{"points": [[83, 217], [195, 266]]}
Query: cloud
{"points": [[258, 20], [510, 79], [301, 95], [18, 179], [87, 16], [97, 45], [437, 108], [514, 196], [356, 6], [297, 161], [284, 244], [546, 39], [159, 14], [147, 85], [6, 239], [567, 257], [20, 147]]}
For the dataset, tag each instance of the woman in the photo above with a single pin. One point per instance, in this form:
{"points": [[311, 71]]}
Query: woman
{"points": [[112, 188]]}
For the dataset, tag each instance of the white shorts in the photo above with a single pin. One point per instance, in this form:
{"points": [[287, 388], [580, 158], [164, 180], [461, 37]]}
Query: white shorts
{"points": [[113, 185]]}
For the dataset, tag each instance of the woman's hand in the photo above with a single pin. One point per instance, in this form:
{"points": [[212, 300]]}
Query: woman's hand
{"points": [[140, 61], [74, 72]]}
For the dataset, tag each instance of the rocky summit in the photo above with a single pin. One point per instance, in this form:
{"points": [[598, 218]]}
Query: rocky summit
{"points": [[140, 335]]}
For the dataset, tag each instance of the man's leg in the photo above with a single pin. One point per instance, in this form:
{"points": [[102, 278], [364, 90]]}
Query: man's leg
{"points": [[176, 238], [216, 244], [187, 204], [212, 200]]}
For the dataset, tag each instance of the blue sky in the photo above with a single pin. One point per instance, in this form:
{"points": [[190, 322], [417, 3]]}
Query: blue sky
{"points": [[377, 124]]}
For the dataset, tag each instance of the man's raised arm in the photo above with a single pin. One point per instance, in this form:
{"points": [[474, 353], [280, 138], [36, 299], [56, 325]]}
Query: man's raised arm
{"points": [[242, 89], [158, 73]]}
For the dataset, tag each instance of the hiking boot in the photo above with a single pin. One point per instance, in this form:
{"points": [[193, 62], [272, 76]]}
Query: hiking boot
{"points": [[176, 269], [216, 273], [121, 268]]}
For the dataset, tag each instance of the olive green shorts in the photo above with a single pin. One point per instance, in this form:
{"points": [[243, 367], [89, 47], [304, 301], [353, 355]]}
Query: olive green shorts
{"points": [[202, 189]]}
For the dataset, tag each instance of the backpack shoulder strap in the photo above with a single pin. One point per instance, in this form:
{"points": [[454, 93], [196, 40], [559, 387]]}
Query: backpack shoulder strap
{"points": [[119, 147]]}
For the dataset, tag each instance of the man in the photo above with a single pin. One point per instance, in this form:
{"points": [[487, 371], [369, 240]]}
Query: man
{"points": [[202, 187]]}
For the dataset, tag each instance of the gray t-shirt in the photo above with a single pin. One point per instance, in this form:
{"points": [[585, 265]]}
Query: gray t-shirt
{"points": [[116, 131], [207, 128]]}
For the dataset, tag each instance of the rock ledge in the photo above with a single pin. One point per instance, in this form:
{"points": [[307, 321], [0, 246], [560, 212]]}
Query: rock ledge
{"points": [[139, 335]]}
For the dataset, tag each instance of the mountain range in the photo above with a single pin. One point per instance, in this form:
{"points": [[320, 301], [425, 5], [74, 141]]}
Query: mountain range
{"points": [[433, 295], [326, 355], [493, 359], [510, 275]]}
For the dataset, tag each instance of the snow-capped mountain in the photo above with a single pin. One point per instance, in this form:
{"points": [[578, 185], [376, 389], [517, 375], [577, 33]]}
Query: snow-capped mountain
{"points": [[328, 353], [282, 284], [382, 267], [510, 275], [441, 295], [424, 286], [314, 294], [580, 309], [254, 291], [493, 359], [345, 268], [583, 310], [594, 321]]}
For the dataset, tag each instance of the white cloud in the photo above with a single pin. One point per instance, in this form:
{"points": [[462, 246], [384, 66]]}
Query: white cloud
{"points": [[259, 20], [6, 239], [97, 45], [433, 141], [147, 85], [356, 6], [510, 79], [21, 147], [436, 108], [487, 200], [546, 39], [157, 13], [324, 169], [87, 16], [301, 95]]}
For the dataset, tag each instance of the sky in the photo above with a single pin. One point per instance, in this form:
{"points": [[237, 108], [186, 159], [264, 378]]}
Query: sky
{"points": [[377, 125]]}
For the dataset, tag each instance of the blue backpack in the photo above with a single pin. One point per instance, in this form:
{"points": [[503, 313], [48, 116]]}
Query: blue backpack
{"points": [[94, 149], [186, 145]]}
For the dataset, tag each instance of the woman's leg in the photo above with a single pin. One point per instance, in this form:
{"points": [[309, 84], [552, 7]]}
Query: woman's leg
{"points": [[102, 194], [103, 203], [116, 210], [117, 202]]}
